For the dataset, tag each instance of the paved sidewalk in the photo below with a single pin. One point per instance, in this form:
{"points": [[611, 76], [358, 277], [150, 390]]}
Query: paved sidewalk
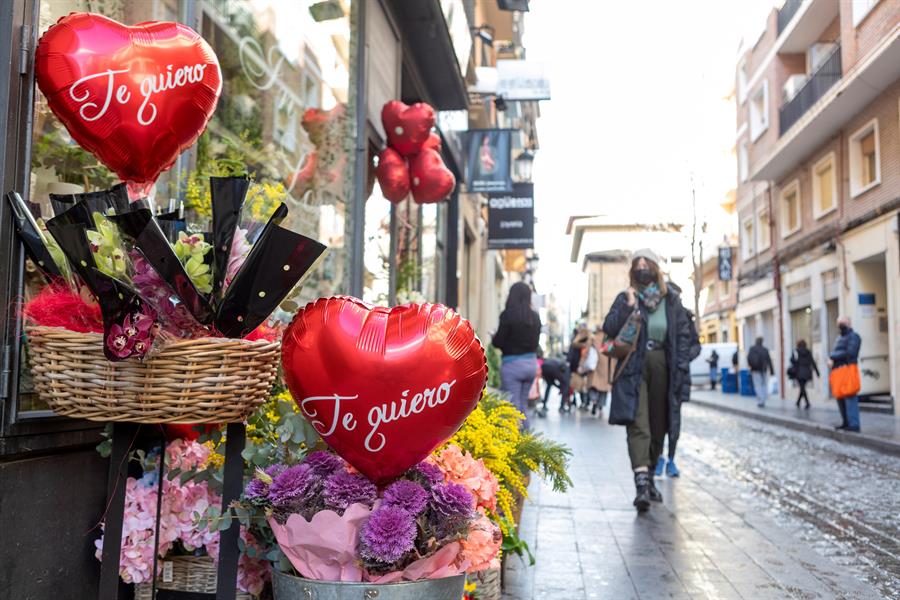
{"points": [[714, 537], [879, 431]]}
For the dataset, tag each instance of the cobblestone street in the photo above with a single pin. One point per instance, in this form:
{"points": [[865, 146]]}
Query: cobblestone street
{"points": [[760, 511]]}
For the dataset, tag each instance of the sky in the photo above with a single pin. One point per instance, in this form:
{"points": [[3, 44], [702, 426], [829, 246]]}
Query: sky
{"points": [[639, 109]]}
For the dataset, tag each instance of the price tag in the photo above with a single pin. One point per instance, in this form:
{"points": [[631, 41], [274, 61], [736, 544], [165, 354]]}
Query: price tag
{"points": [[168, 575]]}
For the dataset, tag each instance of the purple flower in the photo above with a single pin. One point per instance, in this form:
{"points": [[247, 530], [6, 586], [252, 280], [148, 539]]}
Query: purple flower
{"points": [[343, 489], [389, 533], [451, 500], [258, 487], [430, 473], [292, 484], [408, 495], [323, 463], [119, 342]]}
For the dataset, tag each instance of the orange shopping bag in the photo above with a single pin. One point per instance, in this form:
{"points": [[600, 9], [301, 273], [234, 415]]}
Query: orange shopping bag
{"points": [[844, 381]]}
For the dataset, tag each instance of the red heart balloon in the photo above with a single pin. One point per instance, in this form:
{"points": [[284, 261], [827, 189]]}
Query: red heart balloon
{"points": [[135, 97], [407, 127], [393, 175], [431, 180], [186, 432], [433, 142], [383, 386]]}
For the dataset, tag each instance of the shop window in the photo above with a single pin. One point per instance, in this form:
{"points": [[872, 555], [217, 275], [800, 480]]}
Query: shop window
{"points": [[747, 239], [759, 111], [865, 159], [790, 208], [282, 117], [824, 186], [763, 230]]}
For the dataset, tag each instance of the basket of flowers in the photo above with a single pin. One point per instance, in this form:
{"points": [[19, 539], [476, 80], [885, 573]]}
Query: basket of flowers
{"points": [[146, 322]]}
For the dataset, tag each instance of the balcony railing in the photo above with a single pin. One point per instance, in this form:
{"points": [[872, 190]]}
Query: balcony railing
{"points": [[786, 13], [828, 73]]}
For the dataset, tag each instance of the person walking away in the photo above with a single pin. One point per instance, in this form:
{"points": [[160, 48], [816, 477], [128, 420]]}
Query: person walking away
{"points": [[590, 357], [646, 395], [517, 338], [846, 352], [713, 361], [555, 373], [600, 385], [760, 368], [735, 359], [803, 366], [577, 355]]}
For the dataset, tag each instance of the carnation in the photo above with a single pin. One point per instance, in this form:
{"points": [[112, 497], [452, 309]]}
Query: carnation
{"points": [[481, 547], [462, 468], [343, 489], [408, 495], [389, 533]]}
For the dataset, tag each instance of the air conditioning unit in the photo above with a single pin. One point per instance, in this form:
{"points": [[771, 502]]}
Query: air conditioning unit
{"points": [[793, 85], [817, 55]]}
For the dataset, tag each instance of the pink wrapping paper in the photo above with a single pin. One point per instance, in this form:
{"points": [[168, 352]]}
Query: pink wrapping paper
{"points": [[440, 564], [324, 548]]}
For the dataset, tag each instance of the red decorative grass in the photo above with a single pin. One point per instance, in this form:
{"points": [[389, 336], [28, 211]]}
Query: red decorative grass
{"points": [[59, 306]]}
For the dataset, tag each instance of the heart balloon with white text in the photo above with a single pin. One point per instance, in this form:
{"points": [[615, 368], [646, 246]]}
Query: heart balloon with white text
{"points": [[383, 386], [135, 97]]}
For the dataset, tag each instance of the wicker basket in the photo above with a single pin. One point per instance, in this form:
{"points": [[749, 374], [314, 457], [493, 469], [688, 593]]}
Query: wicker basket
{"points": [[187, 574], [487, 584], [207, 380]]}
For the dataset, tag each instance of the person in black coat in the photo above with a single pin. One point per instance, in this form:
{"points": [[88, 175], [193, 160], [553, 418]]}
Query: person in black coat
{"points": [[649, 384], [803, 367]]}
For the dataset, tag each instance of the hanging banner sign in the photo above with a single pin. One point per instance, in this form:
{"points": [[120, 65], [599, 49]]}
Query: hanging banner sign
{"points": [[726, 271], [511, 218], [522, 80], [488, 161]]}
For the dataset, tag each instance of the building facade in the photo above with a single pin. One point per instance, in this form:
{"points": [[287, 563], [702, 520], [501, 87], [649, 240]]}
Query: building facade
{"points": [[718, 297], [818, 152]]}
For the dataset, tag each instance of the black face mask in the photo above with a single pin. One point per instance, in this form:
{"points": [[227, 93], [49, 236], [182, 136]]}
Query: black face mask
{"points": [[844, 329], [643, 276]]}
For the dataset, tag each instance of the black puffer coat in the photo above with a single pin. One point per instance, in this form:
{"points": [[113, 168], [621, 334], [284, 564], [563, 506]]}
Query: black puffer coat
{"points": [[804, 363], [625, 392]]}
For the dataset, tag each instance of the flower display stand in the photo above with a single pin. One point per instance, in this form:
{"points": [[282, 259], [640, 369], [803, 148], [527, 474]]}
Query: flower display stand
{"points": [[111, 588]]}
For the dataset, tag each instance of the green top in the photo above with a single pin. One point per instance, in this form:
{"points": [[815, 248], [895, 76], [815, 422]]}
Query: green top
{"points": [[656, 323]]}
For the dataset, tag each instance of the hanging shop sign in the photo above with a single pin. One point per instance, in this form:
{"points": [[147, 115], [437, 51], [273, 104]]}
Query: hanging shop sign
{"points": [[726, 271], [522, 80], [511, 218], [488, 161]]}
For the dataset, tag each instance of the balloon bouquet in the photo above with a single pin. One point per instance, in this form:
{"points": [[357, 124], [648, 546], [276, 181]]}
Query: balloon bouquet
{"points": [[412, 161]]}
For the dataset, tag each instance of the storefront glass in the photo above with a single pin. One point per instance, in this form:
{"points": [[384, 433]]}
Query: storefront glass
{"points": [[284, 117]]}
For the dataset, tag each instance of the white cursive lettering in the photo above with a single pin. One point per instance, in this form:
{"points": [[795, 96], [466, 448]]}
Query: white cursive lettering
{"points": [[170, 79], [319, 425]]}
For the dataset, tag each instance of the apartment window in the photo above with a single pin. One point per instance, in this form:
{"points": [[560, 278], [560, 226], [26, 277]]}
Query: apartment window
{"points": [[790, 208], [743, 78], [860, 9], [759, 111], [824, 186], [743, 160], [747, 238], [763, 230], [865, 159]]}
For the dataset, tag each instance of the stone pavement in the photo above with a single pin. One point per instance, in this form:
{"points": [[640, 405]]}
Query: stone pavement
{"points": [[713, 537], [879, 430]]}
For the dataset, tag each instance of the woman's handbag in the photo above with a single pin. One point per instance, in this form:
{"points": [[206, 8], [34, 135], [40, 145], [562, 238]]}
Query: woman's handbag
{"points": [[623, 345], [844, 381]]}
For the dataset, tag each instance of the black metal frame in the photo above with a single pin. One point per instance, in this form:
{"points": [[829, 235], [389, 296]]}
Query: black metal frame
{"points": [[824, 78]]}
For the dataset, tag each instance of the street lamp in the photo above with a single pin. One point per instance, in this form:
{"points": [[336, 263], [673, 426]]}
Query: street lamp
{"points": [[524, 163]]}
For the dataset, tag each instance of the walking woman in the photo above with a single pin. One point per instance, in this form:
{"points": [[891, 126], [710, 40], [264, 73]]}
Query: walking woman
{"points": [[647, 393], [517, 338], [804, 367]]}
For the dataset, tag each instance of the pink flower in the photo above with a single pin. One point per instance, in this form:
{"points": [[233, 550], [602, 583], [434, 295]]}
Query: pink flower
{"points": [[240, 248], [481, 547], [462, 468], [118, 341]]}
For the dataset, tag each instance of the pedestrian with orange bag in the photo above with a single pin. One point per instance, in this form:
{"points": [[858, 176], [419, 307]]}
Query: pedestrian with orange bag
{"points": [[844, 378]]}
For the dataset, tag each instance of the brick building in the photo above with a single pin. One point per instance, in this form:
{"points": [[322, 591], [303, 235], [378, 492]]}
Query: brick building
{"points": [[818, 149]]}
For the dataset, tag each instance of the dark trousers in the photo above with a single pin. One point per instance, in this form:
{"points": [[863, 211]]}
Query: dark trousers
{"points": [[554, 375], [802, 383], [648, 431]]}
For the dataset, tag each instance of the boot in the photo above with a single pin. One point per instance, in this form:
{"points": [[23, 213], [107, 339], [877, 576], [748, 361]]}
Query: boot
{"points": [[642, 487], [654, 493]]}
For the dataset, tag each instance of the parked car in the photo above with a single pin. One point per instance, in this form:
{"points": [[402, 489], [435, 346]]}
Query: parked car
{"points": [[699, 366]]}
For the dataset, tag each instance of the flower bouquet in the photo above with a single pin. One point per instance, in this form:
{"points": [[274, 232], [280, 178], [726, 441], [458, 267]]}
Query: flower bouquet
{"points": [[156, 323], [335, 527], [187, 553]]}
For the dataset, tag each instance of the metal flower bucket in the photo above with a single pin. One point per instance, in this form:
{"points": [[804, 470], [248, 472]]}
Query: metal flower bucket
{"points": [[291, 587]]}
